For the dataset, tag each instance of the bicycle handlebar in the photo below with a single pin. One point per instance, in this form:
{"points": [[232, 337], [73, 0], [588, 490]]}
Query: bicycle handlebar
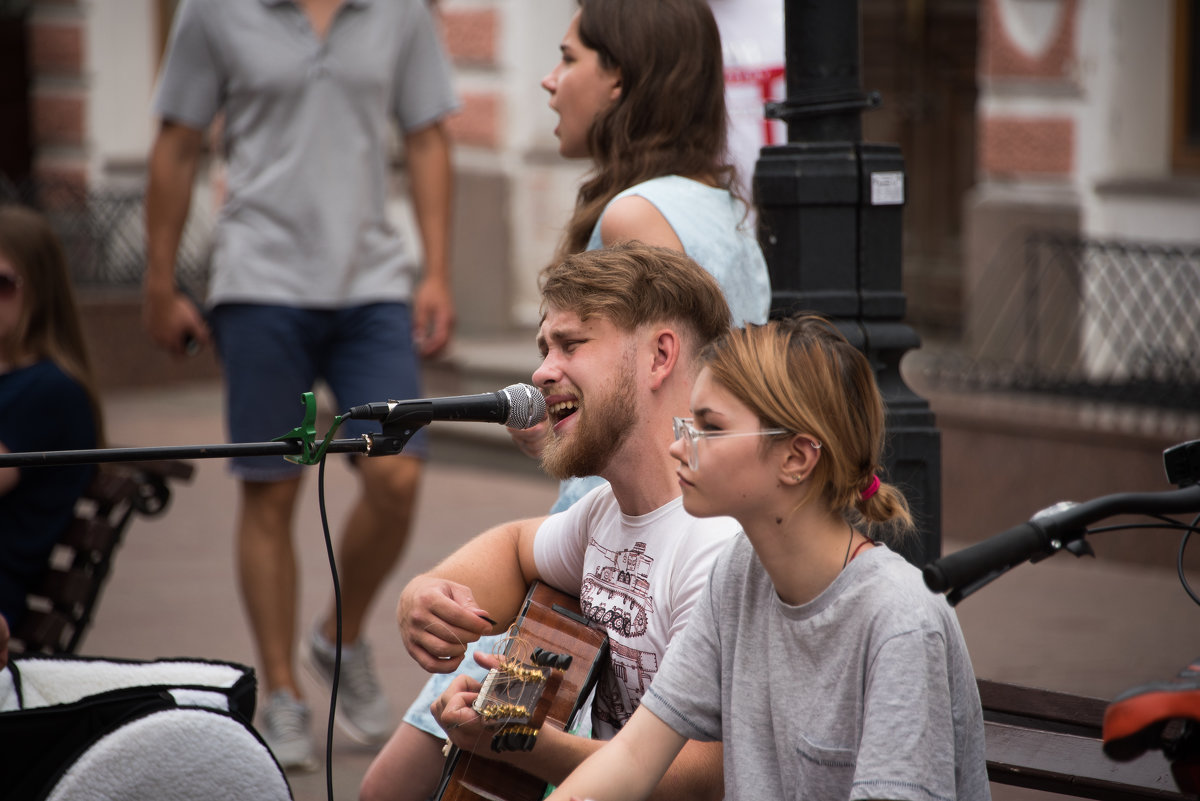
{"points": [[962, 572]]}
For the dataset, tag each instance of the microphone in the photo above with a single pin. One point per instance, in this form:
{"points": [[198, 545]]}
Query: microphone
{"points": [[516, 406]]}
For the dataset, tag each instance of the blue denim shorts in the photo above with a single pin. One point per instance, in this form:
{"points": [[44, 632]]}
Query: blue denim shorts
{"points": [[272, 355]]}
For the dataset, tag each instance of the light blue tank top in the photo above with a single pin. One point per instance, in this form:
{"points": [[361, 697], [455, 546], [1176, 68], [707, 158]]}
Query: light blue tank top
{"points": [[713, 227]]}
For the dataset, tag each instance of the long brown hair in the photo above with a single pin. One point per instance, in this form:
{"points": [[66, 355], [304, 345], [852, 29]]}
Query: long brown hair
{"points": [[670, 117], [49, 326], [802, 375]]}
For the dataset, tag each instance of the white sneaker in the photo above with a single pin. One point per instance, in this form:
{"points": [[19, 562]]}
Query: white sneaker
{"points": [[285, 728], [363, 712]]}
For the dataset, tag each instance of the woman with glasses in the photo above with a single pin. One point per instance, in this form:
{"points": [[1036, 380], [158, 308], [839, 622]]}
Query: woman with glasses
{"points": [[818, 657], [47, 400]]}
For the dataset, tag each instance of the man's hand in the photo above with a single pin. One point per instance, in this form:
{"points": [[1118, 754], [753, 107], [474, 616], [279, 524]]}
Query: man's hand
{"points": [[454, 712], [433, 316], [174, 322], [437, 619], [531, 441]]}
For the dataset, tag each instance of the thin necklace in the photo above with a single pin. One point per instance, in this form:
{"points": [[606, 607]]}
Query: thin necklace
{"points": [[846, 559]]}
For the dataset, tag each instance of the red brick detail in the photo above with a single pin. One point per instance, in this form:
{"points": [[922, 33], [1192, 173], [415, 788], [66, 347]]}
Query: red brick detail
{"points": [[478, 121], [58, 119], [56, 48], [471, 35], [1001, 57], [1022, 146]]}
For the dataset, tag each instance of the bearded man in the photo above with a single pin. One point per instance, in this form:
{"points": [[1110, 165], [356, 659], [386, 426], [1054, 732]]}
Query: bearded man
{"points": [[620, 335]]}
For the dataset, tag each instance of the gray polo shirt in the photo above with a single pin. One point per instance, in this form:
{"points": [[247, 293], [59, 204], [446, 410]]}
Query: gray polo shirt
{"points": [[306, 134]]}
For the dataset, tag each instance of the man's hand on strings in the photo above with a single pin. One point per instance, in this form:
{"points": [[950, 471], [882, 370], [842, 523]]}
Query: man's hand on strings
{"points": [[454, 712], [437, 619]]}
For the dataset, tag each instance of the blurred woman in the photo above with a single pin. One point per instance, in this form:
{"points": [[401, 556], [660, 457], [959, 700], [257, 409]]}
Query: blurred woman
{"points": [[640, 91], [48, 400]]}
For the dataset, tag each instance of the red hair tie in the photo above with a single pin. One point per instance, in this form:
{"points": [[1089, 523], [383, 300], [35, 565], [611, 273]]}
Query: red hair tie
{"points": [[871, 489]]}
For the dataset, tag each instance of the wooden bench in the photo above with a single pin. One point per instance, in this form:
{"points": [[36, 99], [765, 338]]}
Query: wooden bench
{"points": [[60, 610], [1051, 741]]}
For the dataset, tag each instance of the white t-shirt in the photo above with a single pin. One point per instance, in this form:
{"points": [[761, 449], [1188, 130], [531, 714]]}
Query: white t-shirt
{"points": [[638, 576]]}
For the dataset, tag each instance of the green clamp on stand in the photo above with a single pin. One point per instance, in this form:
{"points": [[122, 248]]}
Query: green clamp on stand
{"points": [[306, 434]]}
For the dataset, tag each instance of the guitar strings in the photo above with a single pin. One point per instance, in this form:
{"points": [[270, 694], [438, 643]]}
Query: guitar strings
{"points": [[513, 651]]}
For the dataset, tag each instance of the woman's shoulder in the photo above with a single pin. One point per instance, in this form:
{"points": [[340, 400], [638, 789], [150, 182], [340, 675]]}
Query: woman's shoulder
{"points": [[39, 383], [674, 185]]}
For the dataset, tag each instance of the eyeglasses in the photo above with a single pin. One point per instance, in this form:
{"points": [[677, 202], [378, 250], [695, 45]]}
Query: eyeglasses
{"points": [[9, 284], [687, 431]]}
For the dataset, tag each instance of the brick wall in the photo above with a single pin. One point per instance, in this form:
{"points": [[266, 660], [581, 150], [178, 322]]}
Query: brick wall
{"points": [[59, 91], [1032, 62]]}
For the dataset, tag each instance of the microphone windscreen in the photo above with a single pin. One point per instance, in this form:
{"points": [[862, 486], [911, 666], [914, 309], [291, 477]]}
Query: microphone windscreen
{"points": [[526, 406]]}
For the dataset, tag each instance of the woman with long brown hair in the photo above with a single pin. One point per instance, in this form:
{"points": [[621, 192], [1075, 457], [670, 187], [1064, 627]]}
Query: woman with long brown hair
{"points": [[640, 92], [48, 399]]}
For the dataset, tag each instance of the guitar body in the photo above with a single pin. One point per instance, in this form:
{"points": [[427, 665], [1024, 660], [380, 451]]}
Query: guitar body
{"points": [[552, 621]]}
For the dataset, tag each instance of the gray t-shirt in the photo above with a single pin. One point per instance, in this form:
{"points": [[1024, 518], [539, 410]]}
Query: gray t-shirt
{"points": [[306, 133], [865, 692]]}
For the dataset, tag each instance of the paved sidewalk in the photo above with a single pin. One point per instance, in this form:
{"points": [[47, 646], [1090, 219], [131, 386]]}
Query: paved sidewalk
{"points": [[1083, 626]]}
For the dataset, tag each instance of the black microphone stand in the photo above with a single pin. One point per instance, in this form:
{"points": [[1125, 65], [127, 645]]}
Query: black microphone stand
{"points": [[298, 445]]}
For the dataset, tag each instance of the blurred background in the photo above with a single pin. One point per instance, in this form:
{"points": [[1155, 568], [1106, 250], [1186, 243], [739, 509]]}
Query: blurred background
{"points": [[1051, 250]]}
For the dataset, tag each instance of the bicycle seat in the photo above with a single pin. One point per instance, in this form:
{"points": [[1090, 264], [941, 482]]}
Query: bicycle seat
{"points": [[1140, 719]]}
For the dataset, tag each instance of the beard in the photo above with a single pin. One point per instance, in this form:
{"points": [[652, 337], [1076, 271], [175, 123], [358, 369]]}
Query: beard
{"points": [[603, 424]]}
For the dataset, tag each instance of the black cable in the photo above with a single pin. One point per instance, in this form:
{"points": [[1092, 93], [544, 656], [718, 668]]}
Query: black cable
{"points": [[1187, 587], [1167, 523], [337, 643]]}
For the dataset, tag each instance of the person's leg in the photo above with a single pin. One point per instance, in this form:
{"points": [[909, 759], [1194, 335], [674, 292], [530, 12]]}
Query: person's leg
{"points": [[410, 765], [264, 355], [371, 359], [408, 768], [375, 534], [267, 577]]}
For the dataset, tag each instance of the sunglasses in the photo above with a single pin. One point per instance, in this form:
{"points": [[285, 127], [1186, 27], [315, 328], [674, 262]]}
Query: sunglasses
{"points": [[9, 284]]}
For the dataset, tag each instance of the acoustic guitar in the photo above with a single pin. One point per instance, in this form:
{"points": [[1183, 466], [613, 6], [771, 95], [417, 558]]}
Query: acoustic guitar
{"points": [[551, 661]]}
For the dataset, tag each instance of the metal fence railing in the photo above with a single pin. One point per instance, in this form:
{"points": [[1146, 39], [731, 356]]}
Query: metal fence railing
{"points": [[1084, 318], [103, 233]]}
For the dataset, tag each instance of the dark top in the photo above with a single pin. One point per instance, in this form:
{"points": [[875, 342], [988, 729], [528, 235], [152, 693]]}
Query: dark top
{"points": [[41, 409]]}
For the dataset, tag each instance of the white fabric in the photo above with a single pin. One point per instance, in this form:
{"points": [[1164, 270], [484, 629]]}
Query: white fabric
{"points": [[175, 755], [639, 576], [47, 682]]}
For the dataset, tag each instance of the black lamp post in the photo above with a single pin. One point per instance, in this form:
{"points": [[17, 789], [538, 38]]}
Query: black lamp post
{"points": [[830, 225]]}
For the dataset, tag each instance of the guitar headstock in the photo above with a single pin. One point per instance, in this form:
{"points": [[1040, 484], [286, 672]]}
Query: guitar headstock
{"points": [[516, 696]]}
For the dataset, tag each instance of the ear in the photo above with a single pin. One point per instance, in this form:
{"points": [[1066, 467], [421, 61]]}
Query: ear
{"points": [[665, 346], [799, 460], [615, 93]]}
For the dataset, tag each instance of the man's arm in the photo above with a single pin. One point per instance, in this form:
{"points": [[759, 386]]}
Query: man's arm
{"points": [[427, 151], [443, 610], [170, 318]]}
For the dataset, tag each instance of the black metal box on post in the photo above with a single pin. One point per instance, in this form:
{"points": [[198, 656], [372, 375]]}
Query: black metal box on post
{"points": [[830, 225]]}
